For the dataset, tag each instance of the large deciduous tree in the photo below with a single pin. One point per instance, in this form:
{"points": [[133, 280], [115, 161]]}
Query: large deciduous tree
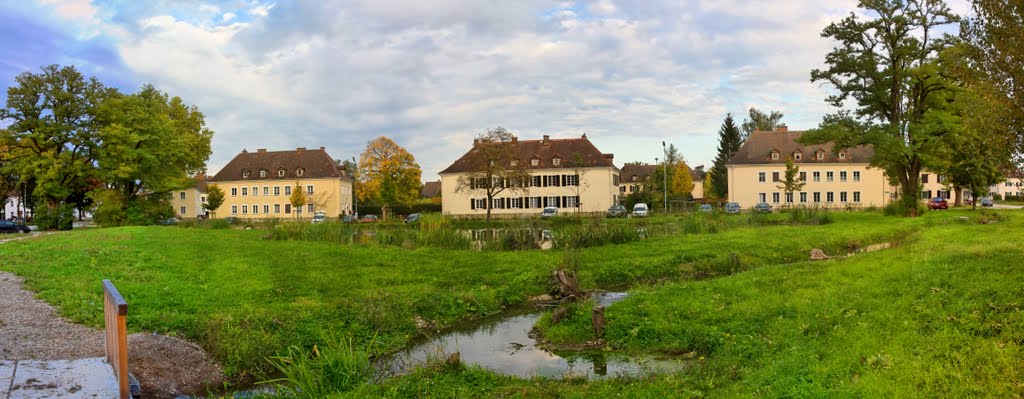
{"points": [[886, 65], [51, 136], [388, 175], [494, 166], [729, 141], [148, 145], [760, 122]]}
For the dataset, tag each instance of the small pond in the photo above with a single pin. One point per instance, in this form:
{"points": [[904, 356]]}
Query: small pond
{"points": [[503, 344]]}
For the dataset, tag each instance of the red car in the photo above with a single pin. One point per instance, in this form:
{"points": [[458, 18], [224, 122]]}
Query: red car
{"points": [[938, 203]]}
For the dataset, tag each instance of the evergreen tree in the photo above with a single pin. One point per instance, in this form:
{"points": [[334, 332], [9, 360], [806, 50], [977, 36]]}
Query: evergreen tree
{"points": [[729, 141]]}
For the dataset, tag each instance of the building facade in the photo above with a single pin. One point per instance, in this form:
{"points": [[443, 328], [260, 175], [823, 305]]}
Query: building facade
{"points": [[590, 186], [635, 176], [259, 185], [14, 207], [188, 203], [833, 178]]}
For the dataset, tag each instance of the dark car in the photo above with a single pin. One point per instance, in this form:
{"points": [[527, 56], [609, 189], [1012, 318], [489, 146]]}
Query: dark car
{"points": [[617, 211], [763, 207], [369, 219], [938, 203], [412, 218], [732, 207], [348, 219], [986, 202], [705, 208], [7, 226]]}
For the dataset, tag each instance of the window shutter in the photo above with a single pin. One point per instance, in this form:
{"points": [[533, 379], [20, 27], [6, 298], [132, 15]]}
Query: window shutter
{"points": [[545, 202], [522, 203], [544, 181], [564, 180], [561, 202], [577, 182], [472, 203], [578, 204]]}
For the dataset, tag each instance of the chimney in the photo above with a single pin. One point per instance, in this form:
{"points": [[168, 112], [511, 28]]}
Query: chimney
{"points": [[515, 139], [476, 142], [609, 157], [547, 140], [322, 149], [244, 151], [584, 136], [781, 128], [261, 150], [300, 149]]}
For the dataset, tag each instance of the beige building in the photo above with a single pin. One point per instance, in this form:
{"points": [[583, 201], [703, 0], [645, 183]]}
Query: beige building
{"points": [[552, 182], [1012, 186], [635, 176], [834, 178], [259, 185], [188, 203]]}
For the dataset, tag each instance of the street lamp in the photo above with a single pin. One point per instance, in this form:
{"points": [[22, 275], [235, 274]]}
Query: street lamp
{"points": [[355, 196], [664, 171]]}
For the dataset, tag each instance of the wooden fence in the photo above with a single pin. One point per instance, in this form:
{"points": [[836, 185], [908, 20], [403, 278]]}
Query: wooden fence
{"points": [[115, 313]]}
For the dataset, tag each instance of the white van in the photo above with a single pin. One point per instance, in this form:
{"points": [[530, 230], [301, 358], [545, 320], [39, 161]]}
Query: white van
{"points": [[319, 217], [640, 210]]}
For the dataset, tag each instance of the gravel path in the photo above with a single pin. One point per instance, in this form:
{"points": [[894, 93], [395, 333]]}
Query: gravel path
{"points": [[166, 366]]}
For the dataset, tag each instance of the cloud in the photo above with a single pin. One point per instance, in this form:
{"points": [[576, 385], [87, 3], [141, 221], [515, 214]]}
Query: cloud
{"points": [[433, 74]]}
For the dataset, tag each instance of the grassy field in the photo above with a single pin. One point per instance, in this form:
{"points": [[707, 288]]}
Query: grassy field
{"points": [[873, 324]]}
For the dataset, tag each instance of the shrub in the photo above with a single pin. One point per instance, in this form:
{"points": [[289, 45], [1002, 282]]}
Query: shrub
{"points": [[997, 197], [56, 219], [897, 208], [338, 366]]}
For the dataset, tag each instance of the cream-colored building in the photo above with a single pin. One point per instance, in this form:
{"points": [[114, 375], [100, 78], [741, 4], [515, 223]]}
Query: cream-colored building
{"points": [[188, 203], [259, 185], [834, 178], [635, 176], [591, 187], [1012, 186]]}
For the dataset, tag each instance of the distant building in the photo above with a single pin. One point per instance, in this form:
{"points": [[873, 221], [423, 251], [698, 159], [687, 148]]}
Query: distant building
{"points": [[552, 183], [635, 176], [431, 189], [258, 185], [834, 177], [188, 203], [15, 207]]}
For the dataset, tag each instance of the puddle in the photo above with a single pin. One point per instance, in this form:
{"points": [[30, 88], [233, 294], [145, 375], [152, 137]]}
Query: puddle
{"points": [[872, 248], [504, 345]]}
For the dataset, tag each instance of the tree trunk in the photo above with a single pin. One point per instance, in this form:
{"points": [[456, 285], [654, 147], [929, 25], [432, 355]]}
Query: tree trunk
{"points": [[910, 188], [490, 201], [959, 196], [567, 284], [597, 321]]}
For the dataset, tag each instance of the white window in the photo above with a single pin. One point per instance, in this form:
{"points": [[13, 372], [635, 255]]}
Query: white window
{"points": [[517, 203], [299, 172], [830, 176], [245, 209], [842, 196], [255, 210], [309, 189], [842, 175], [803, 197], [856, 175], [820, 155], [830, 197], [552, 180], [760, 178], [245, 174], [182, 211], [842, 154], [775, 156], [789, 198], [762, 197], [797, 155], [310, 208], [856, 196], [255, 191], [775, 198], [481, 203], [234, 191], [534, 202], [287, 190], [266, 191], [202, 199], [181, 195], [277, 208], [556, 161], [572, 180], [245, 191], [513, 163], [234, 209], [266, 209], [817, 176], [570, 202], [534, 162], [817, 197], [277, 190], [280, 173], [554, 201], [263, 173]]}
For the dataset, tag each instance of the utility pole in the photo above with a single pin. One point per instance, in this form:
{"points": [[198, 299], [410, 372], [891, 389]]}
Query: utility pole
{"points": [[355, 197], [664, 172]]}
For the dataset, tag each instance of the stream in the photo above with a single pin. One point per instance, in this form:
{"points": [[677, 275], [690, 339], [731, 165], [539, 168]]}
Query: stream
{"points": [[503, 345]]}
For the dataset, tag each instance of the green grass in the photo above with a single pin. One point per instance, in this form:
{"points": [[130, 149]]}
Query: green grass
{"points": [[246, 299]]}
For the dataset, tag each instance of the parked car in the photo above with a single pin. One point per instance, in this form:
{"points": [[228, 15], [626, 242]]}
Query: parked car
{"points": [[319, 217], [763, 207], [640, 210], [617, 211], [732, 207], [167, 222], [7, 226], [369, 218], [938, 203], [986, 202], [348, 219], [704, 208], [412, 218], [549, 212], [233, 220]]}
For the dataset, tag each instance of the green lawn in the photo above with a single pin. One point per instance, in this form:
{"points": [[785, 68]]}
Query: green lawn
{"points": [[794, 329]]}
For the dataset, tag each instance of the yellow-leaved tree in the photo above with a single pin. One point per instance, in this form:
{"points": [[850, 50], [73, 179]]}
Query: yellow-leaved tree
{"points": [[388, 175], [682, 181]]}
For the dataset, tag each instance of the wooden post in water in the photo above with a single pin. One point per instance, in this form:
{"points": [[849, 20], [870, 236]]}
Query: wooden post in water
{"points": [[597, 319], [115, 315]]}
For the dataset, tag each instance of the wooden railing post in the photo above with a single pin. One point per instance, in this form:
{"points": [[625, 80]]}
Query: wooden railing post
{"points": [[115, 314]]}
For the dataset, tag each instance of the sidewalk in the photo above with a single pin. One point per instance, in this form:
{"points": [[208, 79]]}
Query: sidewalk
{"points": [[81, 378]]}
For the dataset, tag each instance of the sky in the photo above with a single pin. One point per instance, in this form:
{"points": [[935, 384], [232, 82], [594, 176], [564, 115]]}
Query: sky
{"points": [[431, 75]]}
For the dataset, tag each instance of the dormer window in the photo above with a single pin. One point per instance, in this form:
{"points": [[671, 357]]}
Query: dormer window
{"points": [[634, 178], [842, 154], [299, 171], [798, 155], [514, 163], [820, 155], [280, 173], [775, 155], [534, 162], [245, 174], [263, 173], [556, 161]]}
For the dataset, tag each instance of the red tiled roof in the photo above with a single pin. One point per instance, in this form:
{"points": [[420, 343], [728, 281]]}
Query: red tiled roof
{"points": [[315, 164], [759, 147], [545, 151]]}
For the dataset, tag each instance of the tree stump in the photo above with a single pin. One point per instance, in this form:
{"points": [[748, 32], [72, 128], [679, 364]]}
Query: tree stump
{"points": [[558, 315], [597, 319], [567, 285]]}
